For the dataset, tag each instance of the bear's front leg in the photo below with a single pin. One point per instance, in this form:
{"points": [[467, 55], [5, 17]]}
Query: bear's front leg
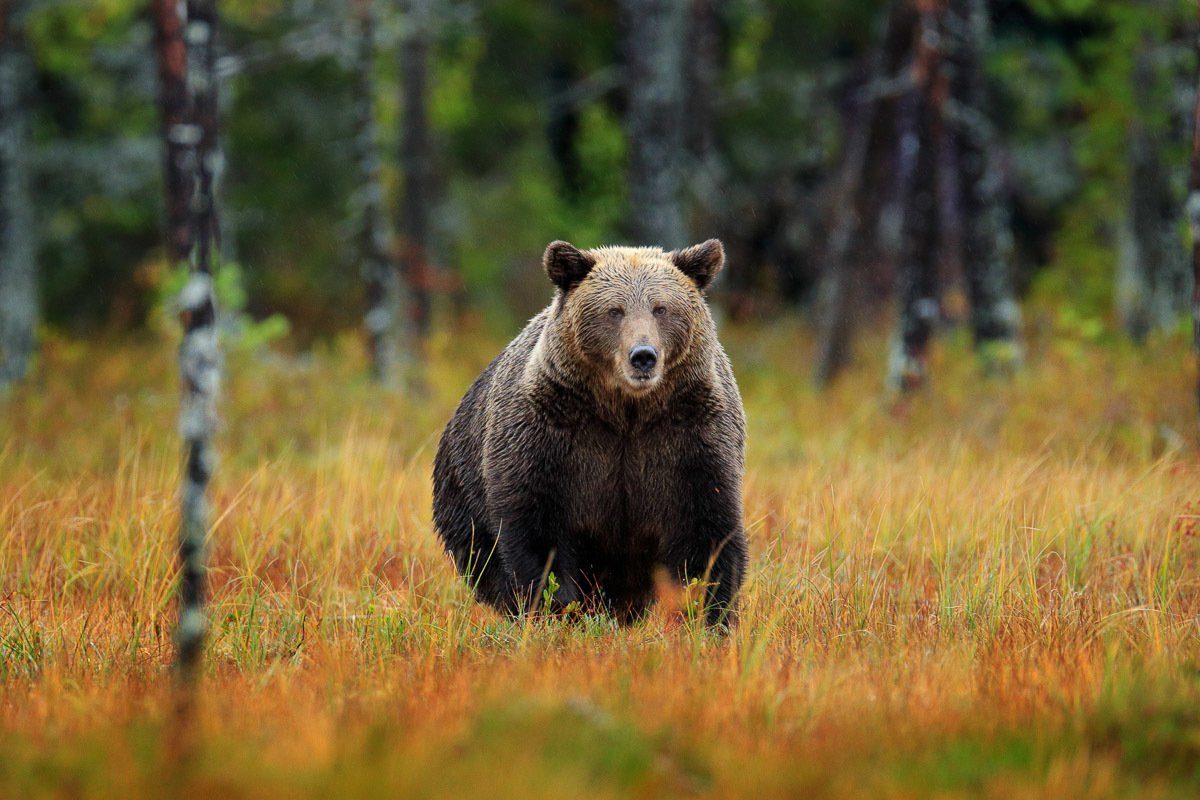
{"points": [[530, 555], [719, 561], [707, 540]]}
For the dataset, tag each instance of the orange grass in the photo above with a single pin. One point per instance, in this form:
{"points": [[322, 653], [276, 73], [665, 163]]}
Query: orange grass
{"points": [[990, 590]]}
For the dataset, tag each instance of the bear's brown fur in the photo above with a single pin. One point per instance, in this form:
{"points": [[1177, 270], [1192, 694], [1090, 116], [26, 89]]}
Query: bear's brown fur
{"points": [[572, 454]]}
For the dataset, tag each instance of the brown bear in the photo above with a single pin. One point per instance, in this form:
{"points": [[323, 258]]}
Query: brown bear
{"points": [[605, 442]]}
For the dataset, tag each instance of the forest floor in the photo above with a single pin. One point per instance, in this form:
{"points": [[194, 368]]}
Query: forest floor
{"points": [[992, 589]]}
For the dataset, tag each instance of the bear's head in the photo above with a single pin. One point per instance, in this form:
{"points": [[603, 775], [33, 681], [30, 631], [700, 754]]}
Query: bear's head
{"points": [[631, 314]]}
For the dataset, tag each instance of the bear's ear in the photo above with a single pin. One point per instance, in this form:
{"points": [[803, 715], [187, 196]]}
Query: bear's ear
{"points": [[700, 262], [566, 264]]}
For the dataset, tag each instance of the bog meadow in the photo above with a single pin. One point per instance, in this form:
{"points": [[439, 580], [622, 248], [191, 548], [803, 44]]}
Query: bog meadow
{"points": [[252, 254]]}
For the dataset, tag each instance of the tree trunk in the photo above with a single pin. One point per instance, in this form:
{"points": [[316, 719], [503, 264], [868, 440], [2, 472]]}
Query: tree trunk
{"points": [[855, 199], [987, 234], [921, 126], [1193, 214], [885, 187], [186, 51], [416, 164], [838, 283], [1148, 292], [179, 135], [18, 269], [653, 32], [370, 220]]}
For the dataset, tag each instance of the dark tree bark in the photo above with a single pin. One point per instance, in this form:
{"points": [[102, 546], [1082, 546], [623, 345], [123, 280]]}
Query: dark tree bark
{"points": [[193, 166], [1193, 215], [921, 127], [836, 290], [886, 182], [179, 135], [18, 268], [370, 220], [416, 164], [986, 230], [653, 33], [855, 199]]}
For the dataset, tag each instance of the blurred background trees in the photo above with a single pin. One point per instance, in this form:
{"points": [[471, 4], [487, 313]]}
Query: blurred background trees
{"points": [[868, 164], [18, 271]]}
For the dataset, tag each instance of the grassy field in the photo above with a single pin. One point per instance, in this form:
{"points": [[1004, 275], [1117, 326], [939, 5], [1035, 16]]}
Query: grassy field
{"points": [[991, 590]]}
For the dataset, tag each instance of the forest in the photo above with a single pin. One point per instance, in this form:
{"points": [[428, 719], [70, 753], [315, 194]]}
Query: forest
{"points": [[252, 253]]}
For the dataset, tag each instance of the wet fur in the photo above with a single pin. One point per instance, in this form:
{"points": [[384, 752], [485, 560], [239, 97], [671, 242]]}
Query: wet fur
{"points": [[551, 464]]}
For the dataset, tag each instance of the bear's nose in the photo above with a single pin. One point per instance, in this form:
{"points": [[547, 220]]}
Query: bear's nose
{"points": [[643, 357]]}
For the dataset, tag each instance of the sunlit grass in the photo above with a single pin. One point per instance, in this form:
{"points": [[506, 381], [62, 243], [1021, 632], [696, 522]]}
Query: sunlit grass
{"points": [[991, 588]]}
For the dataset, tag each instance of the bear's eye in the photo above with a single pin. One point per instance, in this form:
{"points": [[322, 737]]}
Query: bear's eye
{"points": [[660, 311], [616, 313]]}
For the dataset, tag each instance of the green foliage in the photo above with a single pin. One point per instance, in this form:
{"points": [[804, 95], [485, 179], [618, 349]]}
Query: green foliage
{"points": [[551, 589], [239, 330], [1062, 80]]}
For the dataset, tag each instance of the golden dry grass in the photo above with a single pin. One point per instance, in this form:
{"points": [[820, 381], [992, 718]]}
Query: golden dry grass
{"points": [[993, 590]]}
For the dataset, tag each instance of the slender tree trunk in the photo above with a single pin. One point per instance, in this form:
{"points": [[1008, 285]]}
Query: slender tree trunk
{"points": [[855, 199], [370, 219], [987, 232], [1150, 291], [653, 32], [885, 183], [186, 52], [952, 260], [416, 164], [179, 134], [18, 269], [838, 282], [1143, 262], [1193, 214], [921, 125]]}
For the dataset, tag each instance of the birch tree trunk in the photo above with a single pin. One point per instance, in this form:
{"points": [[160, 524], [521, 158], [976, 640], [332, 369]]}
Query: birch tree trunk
{"points": [[653, 32], [18, 269], [921, 127], [987, 234], [416, 164], [371, 223], [186, 50]]}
